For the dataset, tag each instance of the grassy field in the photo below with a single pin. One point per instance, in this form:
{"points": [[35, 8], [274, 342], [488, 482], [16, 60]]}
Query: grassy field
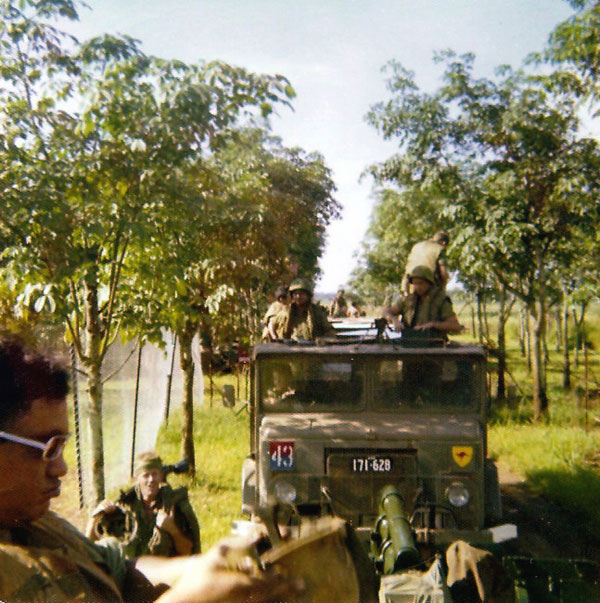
{"points": [[559, 458], [222, 442]]}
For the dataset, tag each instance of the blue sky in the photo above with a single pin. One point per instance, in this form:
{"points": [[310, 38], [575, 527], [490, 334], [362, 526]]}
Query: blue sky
{"points": [[332, 51]]}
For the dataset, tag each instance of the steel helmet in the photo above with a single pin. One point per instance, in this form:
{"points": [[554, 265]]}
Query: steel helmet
{"points": [[300, 284], [423, 272]]}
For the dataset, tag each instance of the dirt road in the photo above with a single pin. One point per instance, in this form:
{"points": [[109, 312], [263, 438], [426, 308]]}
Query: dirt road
{"points": [[545, 530]]}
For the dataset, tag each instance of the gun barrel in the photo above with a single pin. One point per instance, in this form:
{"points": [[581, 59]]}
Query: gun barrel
{"points": [[180, 467], [398, 550]]}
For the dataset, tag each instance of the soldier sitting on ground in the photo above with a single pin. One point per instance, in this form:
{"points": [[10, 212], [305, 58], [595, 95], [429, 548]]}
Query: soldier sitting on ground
{"points": [[302, 319], [157, 519], [425, 307]]}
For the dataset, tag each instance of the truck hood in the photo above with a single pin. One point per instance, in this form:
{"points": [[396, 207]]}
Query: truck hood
{"points": [[370, 427]]}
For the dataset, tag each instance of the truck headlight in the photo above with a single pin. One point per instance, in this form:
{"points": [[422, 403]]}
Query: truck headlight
{"points": [[457, 494], [285, 492]]}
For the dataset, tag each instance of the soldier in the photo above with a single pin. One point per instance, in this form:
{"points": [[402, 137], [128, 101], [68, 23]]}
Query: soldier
{"points": [[43, 557], [431, 254], [353, 310], [302, 319], [339, 307], [282, 300], [425, 307], [160, 520]]}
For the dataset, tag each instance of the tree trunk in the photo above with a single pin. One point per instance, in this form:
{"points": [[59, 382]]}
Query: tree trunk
{"points": [[566, 382], [501, 386], [479, 317], [522, 335], [473, 326], [486, 326], [540, 399], [579, 330], [577, 345], [558, 328], [528, 338], [186, 336], [93, 363]]}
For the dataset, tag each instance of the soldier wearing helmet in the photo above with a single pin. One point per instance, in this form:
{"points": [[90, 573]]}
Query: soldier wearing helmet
{"points": [[339, 306], [425, 307], [302, 319], [281, 302], [431, 254]]}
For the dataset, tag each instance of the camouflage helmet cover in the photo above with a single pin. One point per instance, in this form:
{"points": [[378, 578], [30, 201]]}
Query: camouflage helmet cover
{"points": [[422, 272], [300, 284]]}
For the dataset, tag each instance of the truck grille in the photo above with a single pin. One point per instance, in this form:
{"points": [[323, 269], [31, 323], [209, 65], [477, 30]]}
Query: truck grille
{"points": [[356, 476]]}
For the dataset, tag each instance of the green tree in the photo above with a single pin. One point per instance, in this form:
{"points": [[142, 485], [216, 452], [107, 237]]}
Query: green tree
{"points": [[573, 50], [96, 138], [515, 183], [248, 213]]}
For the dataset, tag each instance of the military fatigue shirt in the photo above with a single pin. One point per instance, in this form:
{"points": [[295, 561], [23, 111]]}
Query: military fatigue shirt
{"points": [[274, 309], [293, 323], [415, 311], [147, 538], [49, 561]]}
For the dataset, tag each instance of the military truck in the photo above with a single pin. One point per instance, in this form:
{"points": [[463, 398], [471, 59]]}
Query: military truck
{"points": [[333, 423], [389, 434]]}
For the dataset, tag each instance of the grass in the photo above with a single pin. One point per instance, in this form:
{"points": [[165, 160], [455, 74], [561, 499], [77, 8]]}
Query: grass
{"points": [[558, 462], [221, 443], [558, 457]]}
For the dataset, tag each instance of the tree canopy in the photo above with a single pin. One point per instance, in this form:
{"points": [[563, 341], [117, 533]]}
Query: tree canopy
{"points": [[115, 174], [498, 162]]}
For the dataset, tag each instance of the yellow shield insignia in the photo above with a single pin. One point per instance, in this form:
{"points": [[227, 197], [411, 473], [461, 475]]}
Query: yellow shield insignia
{"points": [[462, 455]]}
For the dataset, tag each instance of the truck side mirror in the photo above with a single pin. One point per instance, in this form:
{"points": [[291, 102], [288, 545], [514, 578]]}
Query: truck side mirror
{"points": [[228, 396]]}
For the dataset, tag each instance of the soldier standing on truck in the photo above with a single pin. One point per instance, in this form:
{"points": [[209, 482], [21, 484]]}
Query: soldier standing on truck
{"points": [[425, 307], [339, 307], [282, 300], [430, 253], [303, 319]]}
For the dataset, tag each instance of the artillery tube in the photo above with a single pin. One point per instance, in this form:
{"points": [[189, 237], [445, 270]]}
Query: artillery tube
{"points": [[398, 549]]}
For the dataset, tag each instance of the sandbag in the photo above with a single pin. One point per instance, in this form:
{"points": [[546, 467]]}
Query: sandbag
{"points": [[328, 558]]}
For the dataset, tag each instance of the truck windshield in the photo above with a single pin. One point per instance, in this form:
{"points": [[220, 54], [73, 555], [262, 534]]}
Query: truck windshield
{"points": [[413, 383], [305, 384]]}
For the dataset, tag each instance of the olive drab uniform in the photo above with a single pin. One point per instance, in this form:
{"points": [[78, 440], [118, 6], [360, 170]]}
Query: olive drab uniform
{"points": [[427, 253], [50, 561], [293, 323], [415, 310], [274, 309], [147, 538], [339, 306]]}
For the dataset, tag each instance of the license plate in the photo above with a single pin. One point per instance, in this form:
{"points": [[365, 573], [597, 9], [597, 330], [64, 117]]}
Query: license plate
{"points": [[371, 464]]}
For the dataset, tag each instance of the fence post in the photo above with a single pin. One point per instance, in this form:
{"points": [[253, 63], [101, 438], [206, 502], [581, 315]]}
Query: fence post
{"points": [[135, 404], [76, 420], [170, 379]]}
